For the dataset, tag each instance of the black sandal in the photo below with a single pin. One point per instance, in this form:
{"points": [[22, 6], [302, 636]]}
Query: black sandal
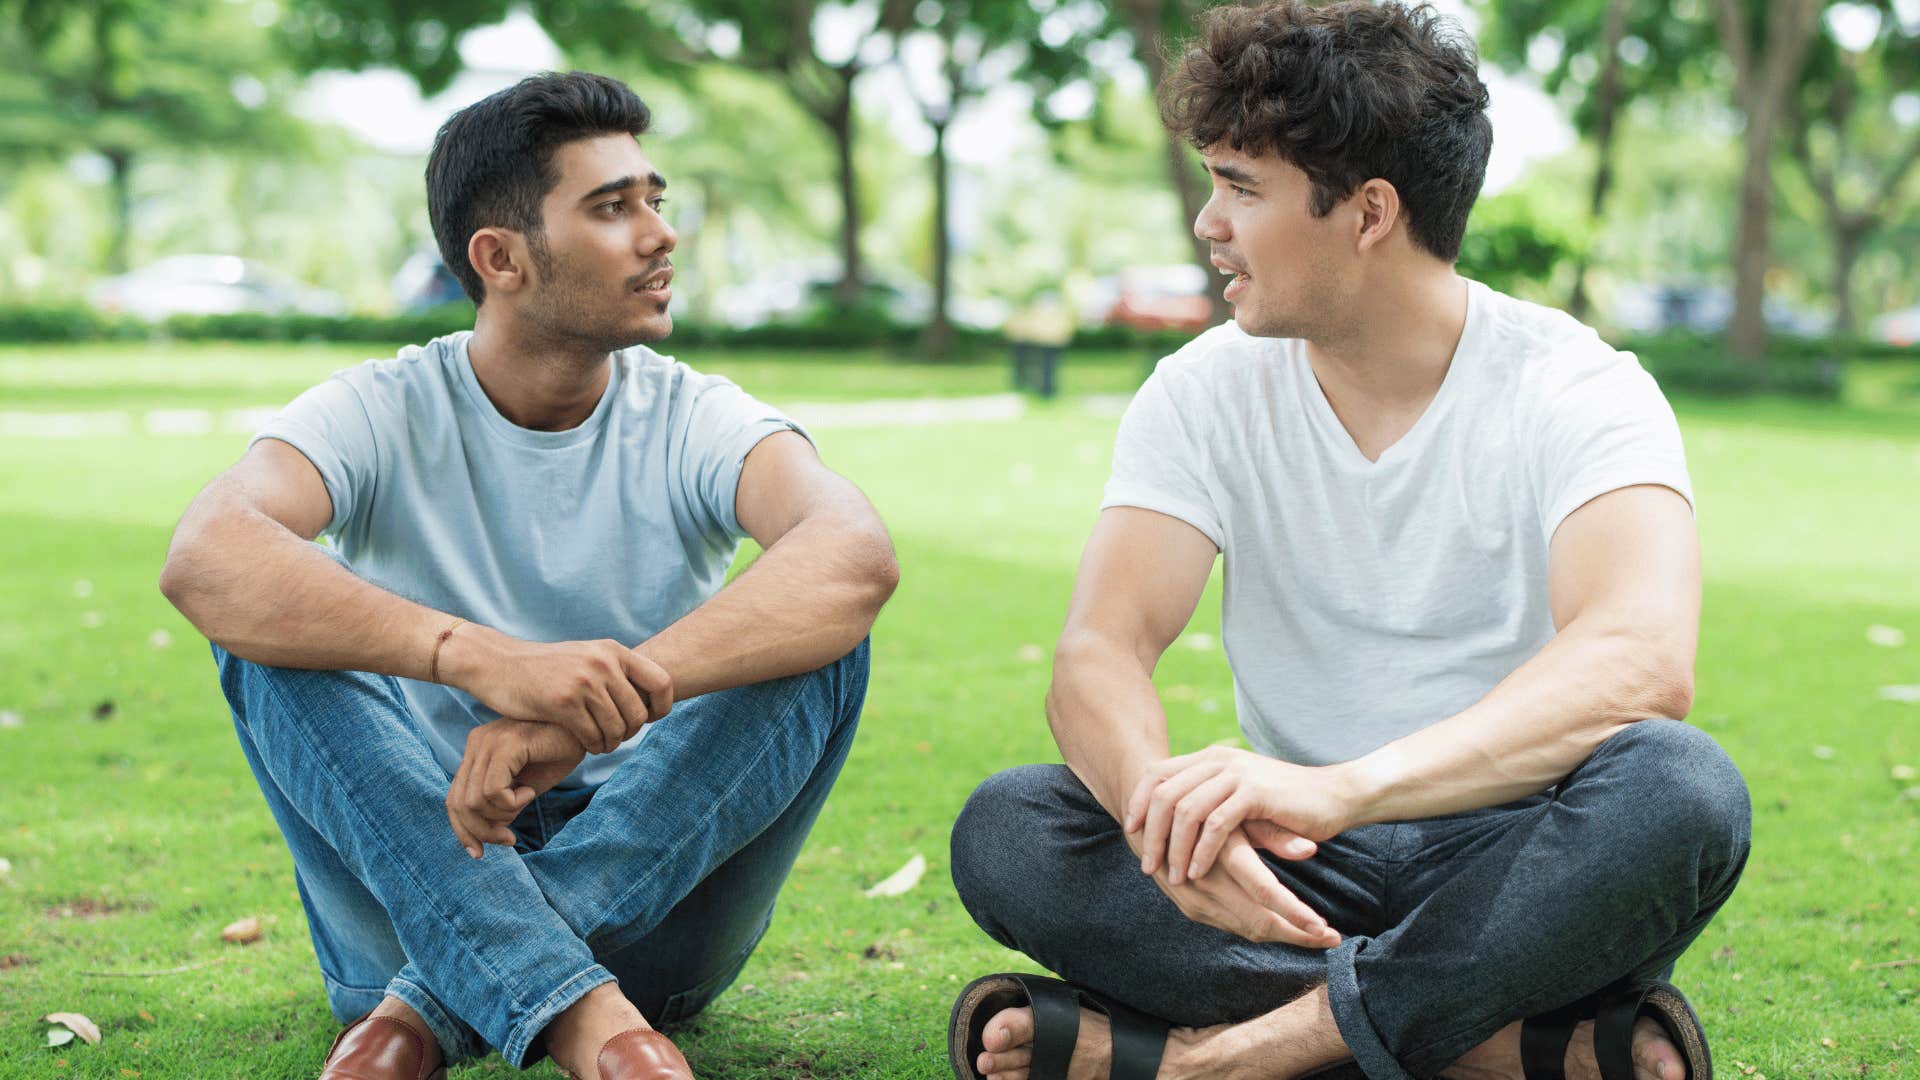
{"points": [[1138, 1039], [1544, 1038]]}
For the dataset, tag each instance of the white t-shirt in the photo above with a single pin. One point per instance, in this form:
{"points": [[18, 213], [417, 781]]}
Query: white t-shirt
{"points": [[1366, 600]]}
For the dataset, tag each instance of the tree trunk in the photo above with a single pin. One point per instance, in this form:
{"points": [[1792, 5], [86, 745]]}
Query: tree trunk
{"points": [[1763, 77], [1605, 106], [1848, 238], [1145, 18], [938, 337], [1747, 333], [120, 161], [838, 119]]}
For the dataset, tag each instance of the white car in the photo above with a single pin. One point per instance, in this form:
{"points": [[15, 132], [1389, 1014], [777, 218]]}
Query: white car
{"points": [[209, 285]]}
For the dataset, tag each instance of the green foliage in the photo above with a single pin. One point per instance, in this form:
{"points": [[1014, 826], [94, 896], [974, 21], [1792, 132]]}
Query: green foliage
{"points": [[1699, 364], [1512, 247]]}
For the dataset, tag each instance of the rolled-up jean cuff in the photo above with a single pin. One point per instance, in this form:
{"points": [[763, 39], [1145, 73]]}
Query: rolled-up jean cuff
{"points": [[457, 1043], [1343, 996], [520, 1039]]}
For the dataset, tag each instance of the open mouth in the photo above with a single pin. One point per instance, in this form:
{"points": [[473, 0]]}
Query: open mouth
{"points": [[656, 284]]}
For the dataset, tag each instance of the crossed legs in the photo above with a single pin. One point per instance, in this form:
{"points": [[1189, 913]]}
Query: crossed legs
{"points": [[490, 952], [1455, 928]]}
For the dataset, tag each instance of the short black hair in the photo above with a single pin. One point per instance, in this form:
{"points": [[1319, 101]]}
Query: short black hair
{"points": [[492, 162], [1346, 92]]}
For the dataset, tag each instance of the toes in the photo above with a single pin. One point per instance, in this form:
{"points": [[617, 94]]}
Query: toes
{"points": [[1008, 1029], [1007, 1062]]}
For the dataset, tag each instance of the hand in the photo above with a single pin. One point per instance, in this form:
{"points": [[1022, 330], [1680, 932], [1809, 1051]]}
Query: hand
{"points": [[1242, 896], [601, 692], [506, 764], [1186, 808]]}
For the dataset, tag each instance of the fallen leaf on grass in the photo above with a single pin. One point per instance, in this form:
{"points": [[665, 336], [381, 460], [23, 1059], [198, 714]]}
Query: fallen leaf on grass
{"points": [[104, 710], [1824, 753], [10, 719], [1903, 772], [74, 1023], [245, 932], [1887, 637], [902, 879], [160, 639], [5, 868], [1908, 693]]}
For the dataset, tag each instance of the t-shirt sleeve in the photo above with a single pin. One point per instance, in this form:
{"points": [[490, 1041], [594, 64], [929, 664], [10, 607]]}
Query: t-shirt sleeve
{"points": [[1159, 465], [724, 424], [329, 425], [1604, 428]]}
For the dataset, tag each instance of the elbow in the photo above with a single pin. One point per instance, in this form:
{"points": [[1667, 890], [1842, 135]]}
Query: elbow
{"points": [[1670, 693], [177, 578], [874, 568]]}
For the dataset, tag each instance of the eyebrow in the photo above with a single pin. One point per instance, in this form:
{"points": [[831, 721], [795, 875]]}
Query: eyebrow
{"points": [[1235, 175], [653, 180]]}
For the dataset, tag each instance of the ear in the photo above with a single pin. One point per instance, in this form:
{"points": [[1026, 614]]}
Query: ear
{"points": [[1379, 206], [501, 259]]}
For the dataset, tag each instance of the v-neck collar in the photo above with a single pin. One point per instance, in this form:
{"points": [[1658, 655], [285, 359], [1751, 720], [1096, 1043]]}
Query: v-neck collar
{"points": [[1336, 433]]}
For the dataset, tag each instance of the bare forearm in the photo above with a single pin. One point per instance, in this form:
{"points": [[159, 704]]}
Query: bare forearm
{"points": [[1106, 718], [1531, 730], [806, 602], [264, 594]]}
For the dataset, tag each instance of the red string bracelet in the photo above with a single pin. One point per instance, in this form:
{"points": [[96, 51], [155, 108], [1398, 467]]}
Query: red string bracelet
{"points": [[433, 668]]}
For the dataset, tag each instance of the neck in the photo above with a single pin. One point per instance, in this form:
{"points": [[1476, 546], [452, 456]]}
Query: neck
{"points": [[1397, 352], [534, 381]]}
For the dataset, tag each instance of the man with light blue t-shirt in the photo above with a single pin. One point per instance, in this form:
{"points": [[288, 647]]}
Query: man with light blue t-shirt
{"points": [[541, 774]]}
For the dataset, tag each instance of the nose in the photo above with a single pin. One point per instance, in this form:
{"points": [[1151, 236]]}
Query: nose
{"points": [[652, 235], [1210, 224]]}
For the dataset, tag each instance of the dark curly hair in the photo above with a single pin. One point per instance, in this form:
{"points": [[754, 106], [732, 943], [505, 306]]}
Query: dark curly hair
{"points": [[492, 162], [1346, 92]]}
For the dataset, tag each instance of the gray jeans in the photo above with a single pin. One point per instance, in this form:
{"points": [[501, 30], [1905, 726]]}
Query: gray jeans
{"points": [[1454, 927]]}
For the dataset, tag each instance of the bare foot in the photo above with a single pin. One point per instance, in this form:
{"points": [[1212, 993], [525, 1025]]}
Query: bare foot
{"points": [[1654, 1056], [396, 1009], [575, 1037], [1009, 1049]]}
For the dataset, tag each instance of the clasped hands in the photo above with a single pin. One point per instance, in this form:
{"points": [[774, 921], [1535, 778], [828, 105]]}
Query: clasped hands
{"points": [[1198, 822], [557, 703]]}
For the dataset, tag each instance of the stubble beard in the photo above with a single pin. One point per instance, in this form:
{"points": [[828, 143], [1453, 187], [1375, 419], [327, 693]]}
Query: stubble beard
{"points": [[564, 312]]}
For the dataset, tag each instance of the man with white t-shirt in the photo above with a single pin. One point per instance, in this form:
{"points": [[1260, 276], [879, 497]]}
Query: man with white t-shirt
{"points": [[1462, 590]]}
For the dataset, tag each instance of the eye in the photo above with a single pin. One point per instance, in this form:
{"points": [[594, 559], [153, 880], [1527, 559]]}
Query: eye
{"points": [[657, 202], [612, 208], [1238, 190]]}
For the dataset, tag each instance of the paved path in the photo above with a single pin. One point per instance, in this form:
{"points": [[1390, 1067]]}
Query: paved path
{"points": [[892, 412]]}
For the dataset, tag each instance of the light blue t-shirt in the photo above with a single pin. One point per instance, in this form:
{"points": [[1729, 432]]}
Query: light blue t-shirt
{"points": [[612, 529]]}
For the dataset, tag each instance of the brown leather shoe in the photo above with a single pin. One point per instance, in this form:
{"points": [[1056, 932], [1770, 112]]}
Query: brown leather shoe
{"points": [[642, 1055], [379, 1048]]}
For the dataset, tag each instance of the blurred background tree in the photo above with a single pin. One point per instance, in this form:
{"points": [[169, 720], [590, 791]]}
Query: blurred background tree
{"points": [[123, 79], [918, 167]]}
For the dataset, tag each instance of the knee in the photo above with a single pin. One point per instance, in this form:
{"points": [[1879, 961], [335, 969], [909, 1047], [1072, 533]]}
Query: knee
{"points": [[996, 832], [1690, 786]]}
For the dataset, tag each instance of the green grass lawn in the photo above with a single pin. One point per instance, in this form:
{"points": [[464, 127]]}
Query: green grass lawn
{"points": [[134, 832]]}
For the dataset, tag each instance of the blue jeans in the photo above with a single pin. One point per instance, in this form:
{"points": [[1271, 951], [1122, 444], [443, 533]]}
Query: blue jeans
{"points": [[1452, 927], [663, 878]]}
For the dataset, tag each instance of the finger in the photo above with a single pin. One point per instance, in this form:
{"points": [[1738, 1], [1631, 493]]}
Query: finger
{"points": [[1278, 839], [1194, 813], [1303, 926], [1136, 808], [1160, 809], [628, 701], [652, 681], [606, 721], [462, 778]]}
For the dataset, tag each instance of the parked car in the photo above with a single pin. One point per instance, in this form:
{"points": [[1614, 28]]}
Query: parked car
{"points": [[209, 285], [1171, 297], [423, 282], [1705, 309], [1898, 327]]}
